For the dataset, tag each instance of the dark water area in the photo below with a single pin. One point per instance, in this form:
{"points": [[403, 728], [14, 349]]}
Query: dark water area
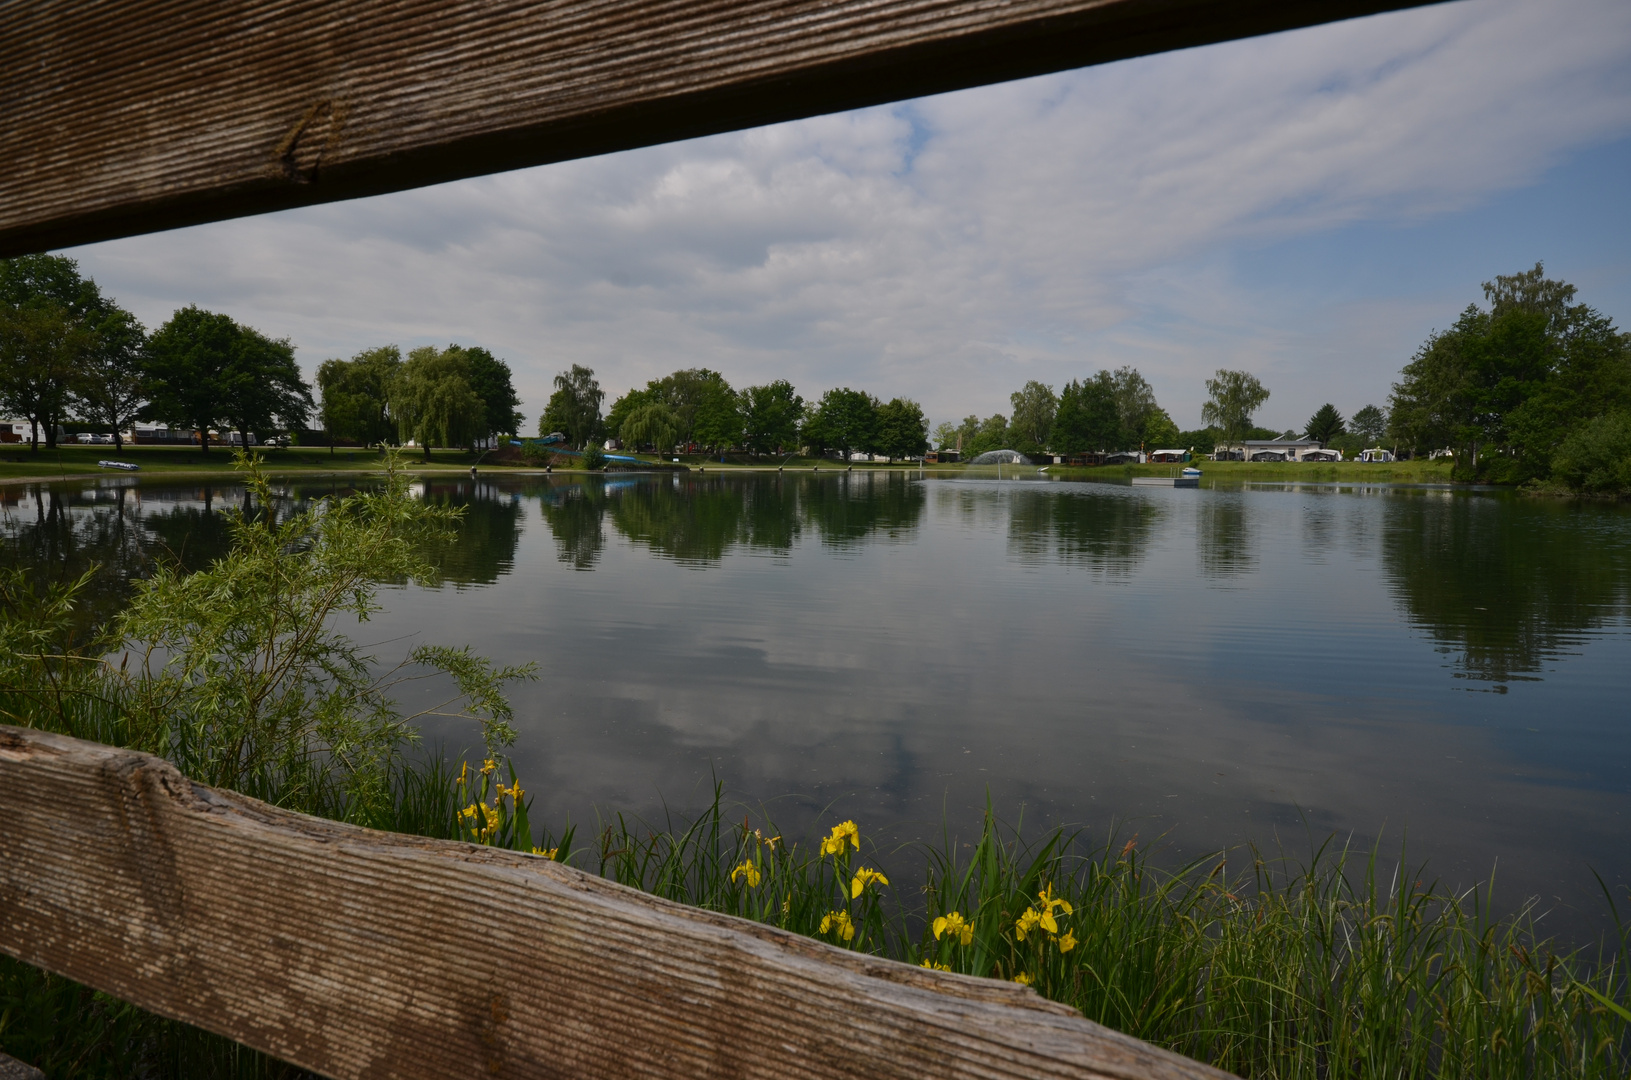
{"points": [[1274, 663]]}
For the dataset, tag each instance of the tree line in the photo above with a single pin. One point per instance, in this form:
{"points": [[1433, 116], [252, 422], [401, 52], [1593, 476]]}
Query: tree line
{"points": [[1533, 388], [68, 353], [697, 407]]}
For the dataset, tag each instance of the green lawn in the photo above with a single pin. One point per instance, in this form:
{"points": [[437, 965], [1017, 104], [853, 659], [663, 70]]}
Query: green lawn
{"points": [[17, 462], [1398, 472]]}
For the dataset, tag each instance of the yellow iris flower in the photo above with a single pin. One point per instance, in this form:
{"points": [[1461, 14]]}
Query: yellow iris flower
{"points": [[840, 923], [746, 870], [1023, 979], [843, 834], [935, 966], [1027, 922], [955, 925], [488, 766], [548, 853], [863, 878], [1067, 941]]}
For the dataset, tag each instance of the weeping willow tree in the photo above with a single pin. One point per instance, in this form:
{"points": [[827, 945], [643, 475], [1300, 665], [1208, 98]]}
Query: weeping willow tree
{"points": [[434, 402]]}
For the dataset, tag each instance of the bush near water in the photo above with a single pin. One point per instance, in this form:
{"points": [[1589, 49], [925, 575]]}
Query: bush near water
{"points": [[1338, 966]]}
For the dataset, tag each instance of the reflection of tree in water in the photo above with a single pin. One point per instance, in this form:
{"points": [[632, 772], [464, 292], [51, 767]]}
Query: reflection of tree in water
{"points": [[693, 520], [1106, 530], [1224, 536], [482, 550], [699, 519], [573, 513], [847, 509], [1507, 582], [58, 533]]}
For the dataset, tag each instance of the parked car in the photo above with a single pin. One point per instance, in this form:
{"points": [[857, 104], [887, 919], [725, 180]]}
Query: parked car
{"points": [[91, 438]]}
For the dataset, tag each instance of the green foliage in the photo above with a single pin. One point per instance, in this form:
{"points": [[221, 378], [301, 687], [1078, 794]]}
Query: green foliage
{"points": [[111, 384], [357, 394], [237, 672], [653, 425], [1159, 430], [593, 457], [980, 436], [1034, 410], [1087, 421], [771, 416], [1330, 969], [1202, 441], [1505, 387], [1325, 425], [902, 430], [1596, 457], [1369, 425], [574, 407], [845, 420], [704, 404], [433, 402], [203, 369], [1234, 397], [490, 378]]}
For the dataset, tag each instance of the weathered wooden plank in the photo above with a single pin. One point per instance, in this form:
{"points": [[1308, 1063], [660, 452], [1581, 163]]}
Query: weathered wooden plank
{"points": [[363, 954], [120, 117]]}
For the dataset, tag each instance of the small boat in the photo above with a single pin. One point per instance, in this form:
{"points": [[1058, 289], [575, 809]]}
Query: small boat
{"points": [[127, 466], [1190, 472]]}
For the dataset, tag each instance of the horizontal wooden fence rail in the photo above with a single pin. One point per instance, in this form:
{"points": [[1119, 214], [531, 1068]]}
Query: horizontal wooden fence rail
{"points": [[357, 953], [129, 116]]}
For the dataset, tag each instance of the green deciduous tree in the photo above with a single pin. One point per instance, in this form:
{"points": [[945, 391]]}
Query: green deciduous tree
{"points": [[902, 430], [1088, 421], [1369, 425], [771, 415], [432, 400], [357, 395], [1505, 387], [653, 425], [574, 407], [205, 369], [621, 410], [491, 380], [51, 324], [1325, 425], [1233, 397], [845, 420], [111, 387], [1034, 410]]}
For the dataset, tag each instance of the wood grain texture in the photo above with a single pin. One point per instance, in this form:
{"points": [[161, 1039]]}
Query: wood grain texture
{"points": [[128, 116], [363, 954]]}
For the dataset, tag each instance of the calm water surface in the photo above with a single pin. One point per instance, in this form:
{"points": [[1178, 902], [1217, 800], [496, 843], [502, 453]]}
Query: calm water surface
{"points": [[1262, 663]]}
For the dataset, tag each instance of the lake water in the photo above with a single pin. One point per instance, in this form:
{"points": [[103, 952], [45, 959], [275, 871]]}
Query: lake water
{"points": [[1261, 662]]}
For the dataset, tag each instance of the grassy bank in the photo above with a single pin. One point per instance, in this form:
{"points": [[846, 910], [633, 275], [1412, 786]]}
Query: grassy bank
{"points": [[188, 461], [1347, 472]]}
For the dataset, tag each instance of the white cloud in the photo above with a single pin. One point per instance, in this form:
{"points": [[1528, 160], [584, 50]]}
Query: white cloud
{"points": [[950, 248]]}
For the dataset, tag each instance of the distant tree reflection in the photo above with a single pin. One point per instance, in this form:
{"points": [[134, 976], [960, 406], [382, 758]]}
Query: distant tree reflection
{"points": [[1224, 538], [1503, 582], [1100, 527], [574, 513], [482, 550]]}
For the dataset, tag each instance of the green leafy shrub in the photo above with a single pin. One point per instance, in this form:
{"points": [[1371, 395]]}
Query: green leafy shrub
{"points": [[1596, 457]]}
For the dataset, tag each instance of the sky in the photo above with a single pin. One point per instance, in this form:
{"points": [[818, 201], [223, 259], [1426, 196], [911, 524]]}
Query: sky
{"points": [[1306, 206]]}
